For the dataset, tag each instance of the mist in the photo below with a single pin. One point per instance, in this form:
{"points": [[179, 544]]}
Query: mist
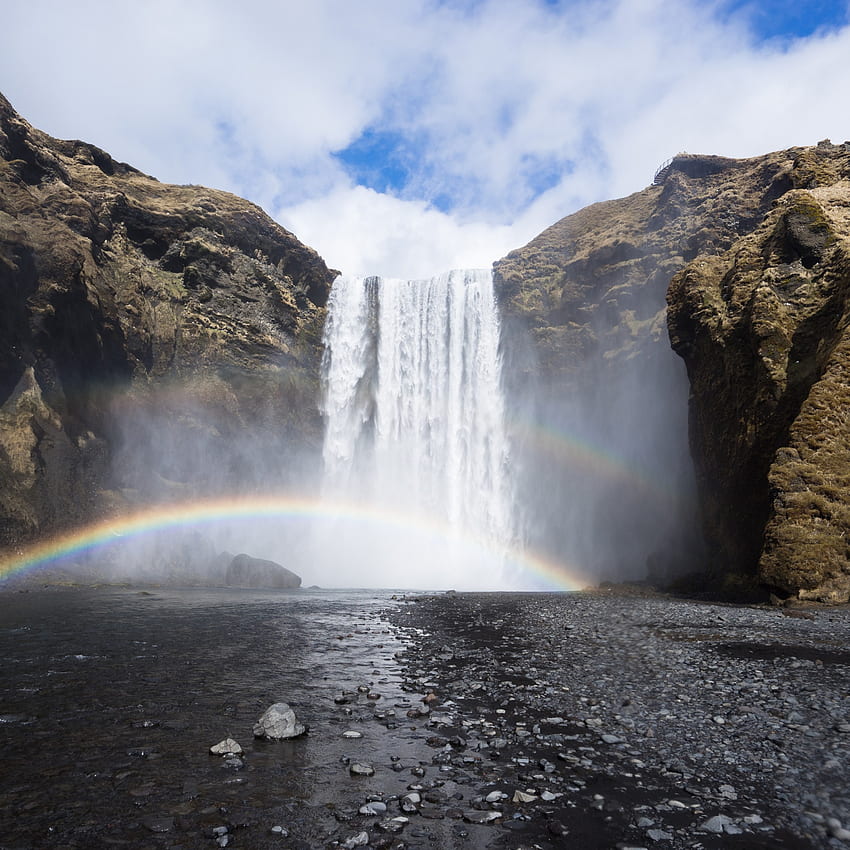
{"points": [[435, 453], [603, 464]]}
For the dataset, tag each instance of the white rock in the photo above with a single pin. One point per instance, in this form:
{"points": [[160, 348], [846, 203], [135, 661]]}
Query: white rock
{"points": [[359, 840], [836, 830], [522, 797], [278, 722], [716, 824], [352, 734], [227, 747], [374, 808]]}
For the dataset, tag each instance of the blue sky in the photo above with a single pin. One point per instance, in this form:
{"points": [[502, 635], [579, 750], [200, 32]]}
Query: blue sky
{"points": [[404, 138]]}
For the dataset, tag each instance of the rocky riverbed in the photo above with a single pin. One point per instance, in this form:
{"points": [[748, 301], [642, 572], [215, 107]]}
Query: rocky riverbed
{"points": [[616, 721], [594, 720]]}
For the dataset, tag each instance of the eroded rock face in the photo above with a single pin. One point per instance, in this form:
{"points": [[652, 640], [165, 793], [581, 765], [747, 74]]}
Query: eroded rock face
{"points": [[143, 328], [762, 328], [585, 328], [754, 254]]}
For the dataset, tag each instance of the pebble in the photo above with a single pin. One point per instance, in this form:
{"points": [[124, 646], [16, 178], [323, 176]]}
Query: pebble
{"points": [[352, 734], [361, 769], [716, 824], [475, 816], [836, 830], [226, 747]]}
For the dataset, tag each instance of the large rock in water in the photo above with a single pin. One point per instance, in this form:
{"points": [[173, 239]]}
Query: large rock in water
{"points": [[144, 329], [763, 329], [245, 571], [278, 722]]}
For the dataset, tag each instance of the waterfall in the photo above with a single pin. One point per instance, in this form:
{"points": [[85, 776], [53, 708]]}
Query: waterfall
{"points": [[414, 416]]}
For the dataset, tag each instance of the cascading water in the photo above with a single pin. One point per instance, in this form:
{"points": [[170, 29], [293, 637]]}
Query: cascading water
{"points": [[415, 430]]}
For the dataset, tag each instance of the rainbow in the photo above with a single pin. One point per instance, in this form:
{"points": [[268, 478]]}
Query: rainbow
{"points": [[572, 451], [534, 570]]}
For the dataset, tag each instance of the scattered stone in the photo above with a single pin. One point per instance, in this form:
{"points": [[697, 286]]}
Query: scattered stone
{"points": [[659, 835], [227, 747], [352, 734], [523, 797], [374, 808], [278, 722], [359, 840], [474, 816], [716, 824], [393, 825], [281, 831], [361, 769], [836, 830]]}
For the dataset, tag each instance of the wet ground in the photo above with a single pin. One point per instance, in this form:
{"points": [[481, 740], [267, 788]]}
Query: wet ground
{"points": [[549, 720]]}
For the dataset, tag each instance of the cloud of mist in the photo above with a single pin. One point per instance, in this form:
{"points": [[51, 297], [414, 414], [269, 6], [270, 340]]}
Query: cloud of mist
{"points": [[515, 114]]}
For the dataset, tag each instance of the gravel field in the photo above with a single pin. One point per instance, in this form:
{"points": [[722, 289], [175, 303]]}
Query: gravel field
{"points": [[640, 721]]}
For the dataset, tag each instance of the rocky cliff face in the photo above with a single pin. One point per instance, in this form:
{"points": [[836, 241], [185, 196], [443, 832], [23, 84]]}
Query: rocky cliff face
{"points": [[142, 327], [762, 328], [754, 255]]}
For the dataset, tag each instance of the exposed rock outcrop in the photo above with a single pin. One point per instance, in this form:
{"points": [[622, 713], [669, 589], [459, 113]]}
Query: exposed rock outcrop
{"points": [[245, 571], [755, 256], [142, 326], [762, 328], [587, 297]]}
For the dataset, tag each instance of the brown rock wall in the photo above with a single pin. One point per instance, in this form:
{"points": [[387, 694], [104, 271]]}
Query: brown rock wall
{"points": [[143, 316]]}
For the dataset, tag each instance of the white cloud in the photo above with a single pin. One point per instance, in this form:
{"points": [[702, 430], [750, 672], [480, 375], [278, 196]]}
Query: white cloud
{"points": [[500, 98], [377, 233]]}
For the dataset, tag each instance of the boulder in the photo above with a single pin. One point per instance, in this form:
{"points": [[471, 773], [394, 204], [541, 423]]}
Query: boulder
{"points": [[245, 571], [278, 722]]}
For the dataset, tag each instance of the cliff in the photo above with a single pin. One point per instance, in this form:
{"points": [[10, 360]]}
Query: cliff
{"points": [[143, 326], [762, 328], [751, 256]]}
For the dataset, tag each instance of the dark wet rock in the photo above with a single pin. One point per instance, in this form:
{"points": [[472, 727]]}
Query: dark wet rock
{"points": [[245, 571], [361, 769], [278, 722], [158, 824]]}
